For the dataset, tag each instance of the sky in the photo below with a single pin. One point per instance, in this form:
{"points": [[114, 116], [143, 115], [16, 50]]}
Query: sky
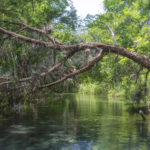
{"points": [[91, 7]]}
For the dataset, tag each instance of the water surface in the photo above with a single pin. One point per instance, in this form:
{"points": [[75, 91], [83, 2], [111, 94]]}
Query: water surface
{"points": [[75, 122]]}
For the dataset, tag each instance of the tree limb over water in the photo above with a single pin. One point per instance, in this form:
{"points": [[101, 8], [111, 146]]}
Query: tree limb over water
{"points": [[69, 51]]}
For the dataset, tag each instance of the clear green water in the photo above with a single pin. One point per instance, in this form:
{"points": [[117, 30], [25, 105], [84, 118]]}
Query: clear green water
{"points": [[75, 122]]}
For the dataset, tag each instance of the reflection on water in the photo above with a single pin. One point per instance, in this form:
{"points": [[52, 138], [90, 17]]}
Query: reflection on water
{"points": [[75, 122]]}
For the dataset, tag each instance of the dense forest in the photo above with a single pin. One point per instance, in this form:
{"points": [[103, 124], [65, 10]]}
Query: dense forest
{"points": [[73, 83], [46, 47]]}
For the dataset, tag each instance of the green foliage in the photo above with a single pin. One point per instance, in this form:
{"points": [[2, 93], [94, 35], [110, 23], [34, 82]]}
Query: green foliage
{"points": [[92, 88], [129, 20], [20, 58], [32, 12]]}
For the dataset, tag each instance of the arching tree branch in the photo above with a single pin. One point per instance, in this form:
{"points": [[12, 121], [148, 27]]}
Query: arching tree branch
{"points": [[25, 26], [24, 38], [50, 70], [71, 50], [143, 60], [90, 65]]}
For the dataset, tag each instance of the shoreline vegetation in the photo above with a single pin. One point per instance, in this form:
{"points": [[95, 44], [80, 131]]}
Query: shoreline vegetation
{"points": [[60, 52]]}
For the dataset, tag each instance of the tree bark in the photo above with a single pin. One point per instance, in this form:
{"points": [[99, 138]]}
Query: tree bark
{"points": [[71, 50], [90, 65]]}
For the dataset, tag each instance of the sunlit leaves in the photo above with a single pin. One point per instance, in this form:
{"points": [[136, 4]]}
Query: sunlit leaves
{"points": [[129, 21]]}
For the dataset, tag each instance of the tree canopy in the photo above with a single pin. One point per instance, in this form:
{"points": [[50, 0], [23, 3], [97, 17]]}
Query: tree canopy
{"points": [[43, 44]]}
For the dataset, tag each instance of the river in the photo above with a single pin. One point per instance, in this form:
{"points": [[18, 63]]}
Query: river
{"points": [[75, 122]]}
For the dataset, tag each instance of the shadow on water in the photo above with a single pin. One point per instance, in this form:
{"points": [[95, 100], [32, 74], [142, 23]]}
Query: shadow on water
{"points": [[75, 122]]}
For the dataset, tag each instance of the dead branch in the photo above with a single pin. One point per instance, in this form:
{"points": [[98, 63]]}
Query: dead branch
{"points": [[90, 65], [72, 49], [70, 54], [112, 33], [25, 26], [143, 60], [26, 39]]}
